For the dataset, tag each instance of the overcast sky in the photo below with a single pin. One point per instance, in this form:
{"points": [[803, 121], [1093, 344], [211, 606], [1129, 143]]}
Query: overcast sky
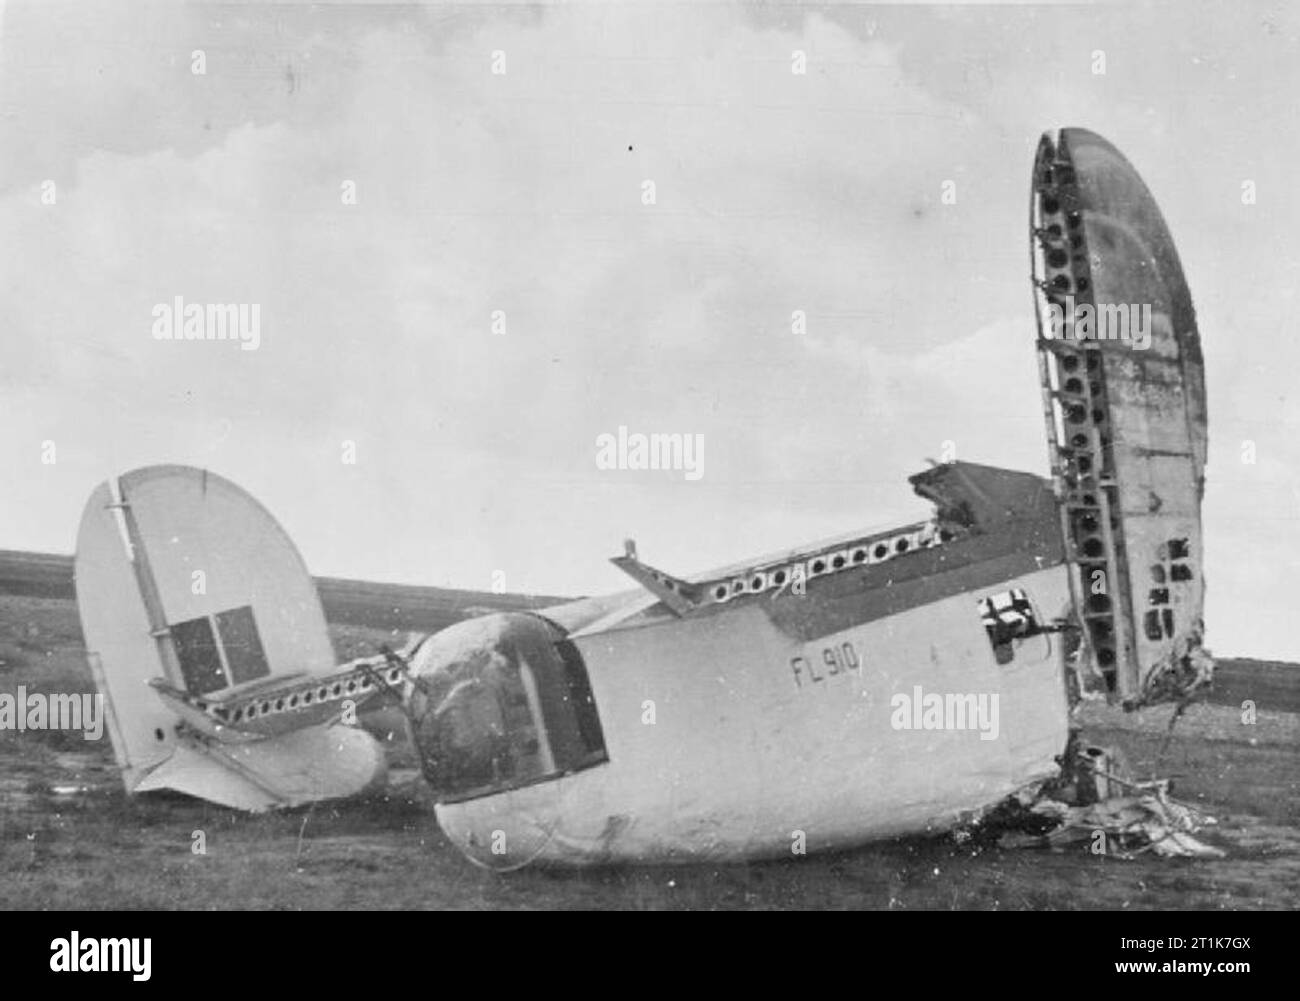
{"points": [[522, 192]]}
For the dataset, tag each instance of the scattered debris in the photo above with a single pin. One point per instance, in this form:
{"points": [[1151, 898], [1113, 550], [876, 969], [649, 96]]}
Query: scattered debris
{"points": [[1094, 803]]}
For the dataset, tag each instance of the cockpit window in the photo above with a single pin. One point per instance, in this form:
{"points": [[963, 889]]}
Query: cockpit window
{"points": [[515, 709], [582, 703]]}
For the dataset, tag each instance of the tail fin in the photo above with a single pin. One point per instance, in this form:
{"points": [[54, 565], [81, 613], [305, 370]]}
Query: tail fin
{"points": [[1124, 398], [192, 598]]}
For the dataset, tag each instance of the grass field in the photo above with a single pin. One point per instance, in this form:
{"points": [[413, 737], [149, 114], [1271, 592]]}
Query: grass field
{"points": [[70, 838]]}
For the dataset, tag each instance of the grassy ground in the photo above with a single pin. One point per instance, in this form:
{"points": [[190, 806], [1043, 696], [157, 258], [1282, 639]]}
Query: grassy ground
{"points": [[69, 837]]}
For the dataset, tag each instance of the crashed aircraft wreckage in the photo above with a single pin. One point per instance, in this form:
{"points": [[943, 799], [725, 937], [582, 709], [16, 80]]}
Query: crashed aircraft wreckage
{"points": [[877, 685]]}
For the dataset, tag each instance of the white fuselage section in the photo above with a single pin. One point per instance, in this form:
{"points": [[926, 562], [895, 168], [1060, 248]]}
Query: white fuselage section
{"points": [[729, 739]]}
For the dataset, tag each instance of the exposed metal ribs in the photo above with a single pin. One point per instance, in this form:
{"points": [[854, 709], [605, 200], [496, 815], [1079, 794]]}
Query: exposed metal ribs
{"points": [[1075, 412]]}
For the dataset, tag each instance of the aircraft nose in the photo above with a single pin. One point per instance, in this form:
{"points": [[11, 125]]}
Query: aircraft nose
{"points": [[462, 737]]}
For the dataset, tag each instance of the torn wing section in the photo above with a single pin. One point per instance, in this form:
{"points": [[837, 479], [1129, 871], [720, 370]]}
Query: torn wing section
{"points": [[1124, 400]]}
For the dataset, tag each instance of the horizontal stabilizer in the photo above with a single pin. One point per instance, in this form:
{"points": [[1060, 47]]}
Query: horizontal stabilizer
{"points": [[198, 774], [301, 767]]}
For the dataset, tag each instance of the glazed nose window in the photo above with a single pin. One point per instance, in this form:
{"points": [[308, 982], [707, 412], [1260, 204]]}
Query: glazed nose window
{"points": [[515, 711]]}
